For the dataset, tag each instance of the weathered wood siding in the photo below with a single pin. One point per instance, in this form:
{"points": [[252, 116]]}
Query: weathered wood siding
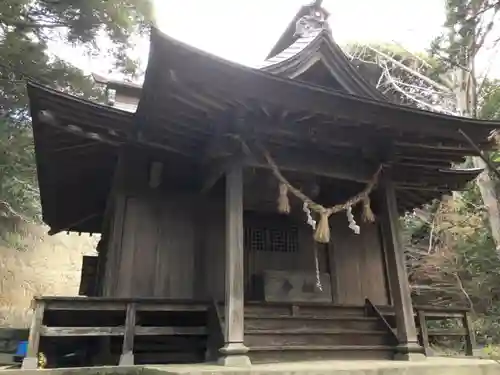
{"points": [[358, 263], [171, 243], [156, 237], [212, 250], [174, 248]]}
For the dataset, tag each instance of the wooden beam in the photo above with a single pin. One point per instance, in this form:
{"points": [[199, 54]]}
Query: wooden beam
{"points": [[234, 351], [342, 134], [216, 169], [479, 153], [470, 339], [127, 356], [30, 362], [424, 334], [408, 348], [120, 331], [316, 164]]}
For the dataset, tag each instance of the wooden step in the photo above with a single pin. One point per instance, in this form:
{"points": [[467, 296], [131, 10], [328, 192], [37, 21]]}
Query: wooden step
{"points": [[178, 343], [266, 354], [320, 310], [312, 322], [257, 338]]}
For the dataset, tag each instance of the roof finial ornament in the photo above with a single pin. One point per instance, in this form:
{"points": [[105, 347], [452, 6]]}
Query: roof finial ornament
{"points": [[315, 20]]}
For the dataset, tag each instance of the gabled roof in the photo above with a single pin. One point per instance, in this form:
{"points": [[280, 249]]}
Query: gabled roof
{"points": [[289, 35], [306, 51], [316, 51]]}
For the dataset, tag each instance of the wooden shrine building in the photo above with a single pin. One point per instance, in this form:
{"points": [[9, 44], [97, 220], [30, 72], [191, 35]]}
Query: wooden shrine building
{"points": [[257, 207]]}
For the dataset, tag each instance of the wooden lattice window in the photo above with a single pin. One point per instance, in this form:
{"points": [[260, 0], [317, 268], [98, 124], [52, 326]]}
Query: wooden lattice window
{"points": [[271, 233]]}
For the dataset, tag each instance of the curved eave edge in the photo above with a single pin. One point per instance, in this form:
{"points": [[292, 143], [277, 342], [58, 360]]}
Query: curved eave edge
{"points": [[192, 61], [42, 91], [304, 51]]}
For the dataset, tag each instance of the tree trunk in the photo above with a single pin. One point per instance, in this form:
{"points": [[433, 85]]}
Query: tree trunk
{"points": [[466, 94], [487, 189]]}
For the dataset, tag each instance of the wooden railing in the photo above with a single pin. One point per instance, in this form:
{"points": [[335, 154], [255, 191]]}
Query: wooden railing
{"points": [[373, 310], [128, 329], [216, 334], [424, 314]]}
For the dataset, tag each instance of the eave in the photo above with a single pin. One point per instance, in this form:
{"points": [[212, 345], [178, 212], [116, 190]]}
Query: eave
{"points": [[205, 85], [74, 165]]}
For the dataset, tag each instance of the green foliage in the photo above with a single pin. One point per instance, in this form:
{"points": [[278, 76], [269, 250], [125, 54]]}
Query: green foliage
{"points": [[453, 258], [489, 100], [468, 23], [27, 29], [458, 262]]}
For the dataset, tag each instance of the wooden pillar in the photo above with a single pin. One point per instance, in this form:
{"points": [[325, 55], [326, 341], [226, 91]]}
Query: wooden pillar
{"points": [[234, 352], [127, 356], [408, 346], [30, 362], [424, 334], [470, 339]]}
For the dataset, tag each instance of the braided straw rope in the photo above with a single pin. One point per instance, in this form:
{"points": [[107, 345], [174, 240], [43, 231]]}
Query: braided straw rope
{"points": [[322, 233]]}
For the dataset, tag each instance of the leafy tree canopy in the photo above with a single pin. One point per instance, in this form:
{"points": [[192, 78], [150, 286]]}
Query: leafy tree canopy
{"points": [[27, 29]]}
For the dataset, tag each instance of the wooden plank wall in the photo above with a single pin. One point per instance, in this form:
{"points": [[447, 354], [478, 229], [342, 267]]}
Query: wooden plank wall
{"points": [[170, 248], [212, 250], [156, 238], [164, 243], [358, 262]]}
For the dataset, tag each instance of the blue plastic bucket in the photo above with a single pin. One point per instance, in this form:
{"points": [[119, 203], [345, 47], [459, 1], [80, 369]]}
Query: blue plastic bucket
{"points": [[22, 349]]}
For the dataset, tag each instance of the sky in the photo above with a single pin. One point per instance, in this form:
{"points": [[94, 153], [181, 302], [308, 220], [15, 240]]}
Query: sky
{"points": [[244, 31]]}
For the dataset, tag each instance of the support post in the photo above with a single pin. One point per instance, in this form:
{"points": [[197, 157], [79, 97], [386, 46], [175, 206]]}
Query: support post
{"points": [[424, 334], [30, 362], [408, 346], [470, 339], [234, 352], [127, 356]]}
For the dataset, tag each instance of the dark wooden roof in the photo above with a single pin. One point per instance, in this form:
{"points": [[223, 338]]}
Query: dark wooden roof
{"points": [[185, 83], [186, 86], [191, 100], [74, 166]]}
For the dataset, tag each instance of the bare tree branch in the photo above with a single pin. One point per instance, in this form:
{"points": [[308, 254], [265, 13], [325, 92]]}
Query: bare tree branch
{"points": [[424, 78]]}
